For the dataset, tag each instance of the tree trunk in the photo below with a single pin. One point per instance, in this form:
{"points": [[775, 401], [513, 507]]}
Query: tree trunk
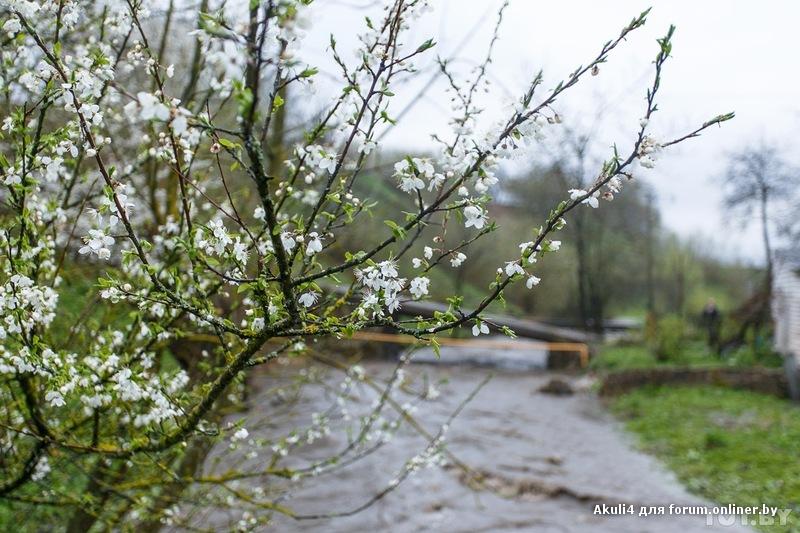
{"points": [[650, 258], [765, 234], [581, 272]]}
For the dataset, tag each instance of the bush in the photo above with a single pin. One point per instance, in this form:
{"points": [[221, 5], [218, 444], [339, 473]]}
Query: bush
{"points": [[670, 338]]}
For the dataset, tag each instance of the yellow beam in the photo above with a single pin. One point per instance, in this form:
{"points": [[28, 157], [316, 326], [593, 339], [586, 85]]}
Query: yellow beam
{"points": [[579, 347]]}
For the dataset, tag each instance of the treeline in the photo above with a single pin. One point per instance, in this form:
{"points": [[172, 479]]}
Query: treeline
{"points": [[616, 260]]}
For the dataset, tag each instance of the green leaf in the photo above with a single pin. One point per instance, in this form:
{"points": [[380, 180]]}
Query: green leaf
{"points": [[243, 287], [309, 72], [425, 46], [437, 349], [397, 231], [719, 118], [227, 143]]}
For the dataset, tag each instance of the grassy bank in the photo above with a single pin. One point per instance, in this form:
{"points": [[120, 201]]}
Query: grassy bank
{"points": [[623, 357], [726, 445]]}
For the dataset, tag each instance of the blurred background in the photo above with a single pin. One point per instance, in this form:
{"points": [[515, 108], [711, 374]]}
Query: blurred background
{"points": [[680, 234]]}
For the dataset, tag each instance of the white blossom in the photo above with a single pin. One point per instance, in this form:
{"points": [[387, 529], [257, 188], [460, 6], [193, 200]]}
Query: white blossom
{"points": [[97, 243], [457, 259], [240, 434], [240, 251], [314, 244], [12, 26], [383, 285], [419, 286], [54, 398], [151, 107], [480, 328], [648, 151], [308, 299], [328, 162], [513, 267], [474, 216], [12, 178], [288, 241], [591, 200]]}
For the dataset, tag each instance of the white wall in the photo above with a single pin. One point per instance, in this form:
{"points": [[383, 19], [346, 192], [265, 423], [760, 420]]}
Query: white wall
{"points": [[786, 309]]}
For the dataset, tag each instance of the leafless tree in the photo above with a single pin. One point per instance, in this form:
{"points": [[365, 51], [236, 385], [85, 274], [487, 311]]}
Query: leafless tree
{"points": [[754, 182]]}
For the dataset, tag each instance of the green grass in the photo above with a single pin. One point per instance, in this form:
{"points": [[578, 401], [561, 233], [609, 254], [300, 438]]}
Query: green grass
{"points": [[694, 353], [621, 357], [730, 446]]}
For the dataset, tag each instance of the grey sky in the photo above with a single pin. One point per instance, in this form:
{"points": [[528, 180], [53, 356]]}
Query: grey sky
{"points": [[729, 55]]}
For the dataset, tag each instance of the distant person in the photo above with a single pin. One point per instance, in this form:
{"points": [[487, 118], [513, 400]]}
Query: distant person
{"points": [[712, 320]]}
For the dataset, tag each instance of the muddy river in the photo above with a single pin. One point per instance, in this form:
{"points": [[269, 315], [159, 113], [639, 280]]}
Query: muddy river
{"points": [[538, 461]]}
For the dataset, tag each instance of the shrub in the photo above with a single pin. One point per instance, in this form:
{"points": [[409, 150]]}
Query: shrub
{"points": [[671, 337]]}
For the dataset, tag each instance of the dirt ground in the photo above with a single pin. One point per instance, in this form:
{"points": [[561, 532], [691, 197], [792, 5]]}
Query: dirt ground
{"points": [[546, 461]]}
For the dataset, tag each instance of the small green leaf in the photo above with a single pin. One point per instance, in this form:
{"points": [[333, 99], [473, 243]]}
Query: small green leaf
{"points": [[425, 46], [437, 349], [309, 72]]}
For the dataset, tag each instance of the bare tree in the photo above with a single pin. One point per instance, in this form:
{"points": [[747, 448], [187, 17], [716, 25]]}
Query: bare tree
{"points": [[755, 179]]}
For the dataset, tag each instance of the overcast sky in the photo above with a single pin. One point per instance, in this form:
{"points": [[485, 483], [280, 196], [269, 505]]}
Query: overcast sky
{"points": [[728, 55]]}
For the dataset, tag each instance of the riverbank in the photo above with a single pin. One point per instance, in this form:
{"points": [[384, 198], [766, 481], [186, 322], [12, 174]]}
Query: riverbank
{"points": [[731, 446]]}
